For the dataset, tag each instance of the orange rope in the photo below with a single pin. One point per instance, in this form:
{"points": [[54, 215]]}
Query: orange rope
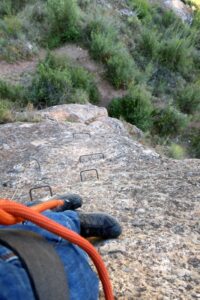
{"points": [[12, 213]]}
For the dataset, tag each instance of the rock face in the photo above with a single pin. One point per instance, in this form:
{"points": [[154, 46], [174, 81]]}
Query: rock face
{"points": [[180, 9], [157, 200]]}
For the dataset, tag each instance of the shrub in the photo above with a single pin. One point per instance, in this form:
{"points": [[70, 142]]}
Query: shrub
{"points": [[115, 108], [121, 70], [103, 38], [12, 26], [84, 3], [143, 8], [103, 46], [176, 151], [5, 112], [175, 53], [106, 47], [169, 121], [168, 18], [134, 23], [196, 20], [63, 16], [135, 107], [36, 23], [12, 50], [195, 143], [13, 44], [83, 80], [80, 96], [5, 8], [56, 81], [102, 24], [11, 92], [50, 87], [11, 7], [149, 43], [188, 99]]}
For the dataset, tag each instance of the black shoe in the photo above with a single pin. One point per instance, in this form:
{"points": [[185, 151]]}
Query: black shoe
{"points": [[99, 225], [72, 201]]}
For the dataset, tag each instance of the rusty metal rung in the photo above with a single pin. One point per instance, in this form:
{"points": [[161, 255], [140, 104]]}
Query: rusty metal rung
{"points": [[81, 133], [81, 173], [40, 187], [93, 154]]}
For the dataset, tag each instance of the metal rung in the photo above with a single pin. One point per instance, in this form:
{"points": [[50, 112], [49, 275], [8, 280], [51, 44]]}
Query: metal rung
{"points": [[81, 173], [81, 133], [35, 159], [93, 154], [40, 187]]}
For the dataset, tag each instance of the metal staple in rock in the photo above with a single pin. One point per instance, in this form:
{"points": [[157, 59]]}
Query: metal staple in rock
{"points": [[40, 187], [81, 173], [81, 133], [90, 155]]}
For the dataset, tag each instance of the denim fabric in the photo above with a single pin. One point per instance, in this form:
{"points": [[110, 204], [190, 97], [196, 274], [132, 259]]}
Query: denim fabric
{"points": [[82, 281]]}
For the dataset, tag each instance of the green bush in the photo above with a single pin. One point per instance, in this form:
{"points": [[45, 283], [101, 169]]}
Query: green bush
{"points": [[143, 8], [103, 46], [12, 26], [175, 53], [195, 143], [36, 24], [63, 16], [135, 107], [84, 3], [196, 20], [149, 43], [177, 151], [56, 81], [80, 96], [102, 24], [168, 18], [121, 70], [13, 44], [106, 47], [15, 93], [12, 50], [188, 99], [115, 108], [5, 8], [83, 80], [10, 7], [5, 111], [103, 38], [50, 87], [169, 121]]}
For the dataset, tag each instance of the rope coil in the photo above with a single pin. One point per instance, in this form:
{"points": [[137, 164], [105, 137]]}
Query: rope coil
{"points": [[12, 213]]}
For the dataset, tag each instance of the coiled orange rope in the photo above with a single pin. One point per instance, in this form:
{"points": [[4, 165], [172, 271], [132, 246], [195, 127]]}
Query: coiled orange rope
{"points": [[12, 213]]}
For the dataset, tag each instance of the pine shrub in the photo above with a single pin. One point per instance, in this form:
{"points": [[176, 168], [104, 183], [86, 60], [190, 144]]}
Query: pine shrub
{"points": [[188, 99], [135, 107], [169, 121], [63, 16]]}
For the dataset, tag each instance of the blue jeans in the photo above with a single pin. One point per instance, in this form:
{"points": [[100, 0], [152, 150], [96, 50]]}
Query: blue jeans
{"points": [[82, 280]]}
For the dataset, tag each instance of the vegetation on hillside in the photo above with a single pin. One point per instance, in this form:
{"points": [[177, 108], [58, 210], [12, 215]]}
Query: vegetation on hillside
{"points": [[150, 53]]}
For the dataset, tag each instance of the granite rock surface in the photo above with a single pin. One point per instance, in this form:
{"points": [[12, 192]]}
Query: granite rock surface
{"points": [[156, 200]]}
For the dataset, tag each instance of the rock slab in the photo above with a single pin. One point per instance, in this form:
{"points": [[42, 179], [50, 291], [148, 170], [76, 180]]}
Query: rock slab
{"points": [[157, 200]]}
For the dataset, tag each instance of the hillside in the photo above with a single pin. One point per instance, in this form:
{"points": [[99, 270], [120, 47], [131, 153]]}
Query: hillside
{"points": [[155, 199]]}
